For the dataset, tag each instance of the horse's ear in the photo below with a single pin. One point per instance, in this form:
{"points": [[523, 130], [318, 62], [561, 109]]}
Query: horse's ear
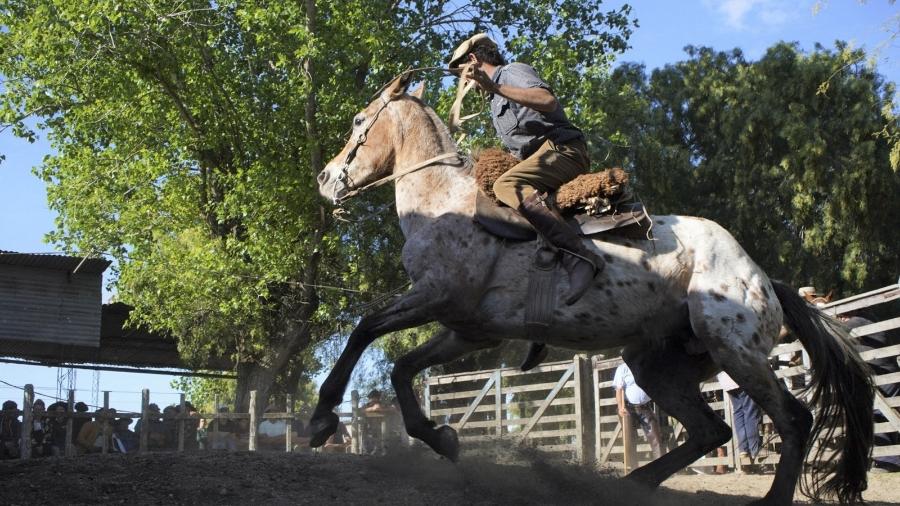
{"points": [[419, 92], [398, 86]]}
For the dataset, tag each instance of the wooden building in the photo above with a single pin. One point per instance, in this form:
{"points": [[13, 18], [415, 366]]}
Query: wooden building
{"points": [[51, 312]]}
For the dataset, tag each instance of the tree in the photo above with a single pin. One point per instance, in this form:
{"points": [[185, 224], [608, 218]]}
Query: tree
{"points": [[801, 177], [188, 135]]}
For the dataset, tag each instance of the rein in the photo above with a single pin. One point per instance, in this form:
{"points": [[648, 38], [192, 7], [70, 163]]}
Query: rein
{"points": [[361, 139]]}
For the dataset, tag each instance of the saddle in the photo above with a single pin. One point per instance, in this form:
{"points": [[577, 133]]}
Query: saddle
{"points": [[591, 203]]}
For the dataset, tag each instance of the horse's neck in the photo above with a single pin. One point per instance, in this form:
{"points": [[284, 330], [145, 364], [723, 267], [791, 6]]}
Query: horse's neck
{"points": [[436, 190]]}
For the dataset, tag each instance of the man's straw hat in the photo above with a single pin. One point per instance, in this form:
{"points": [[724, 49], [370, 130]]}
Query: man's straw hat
{"points": [[463, 49]]}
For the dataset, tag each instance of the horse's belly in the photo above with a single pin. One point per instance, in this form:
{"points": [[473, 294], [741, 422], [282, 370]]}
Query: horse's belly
{"points": [[602, 319]]}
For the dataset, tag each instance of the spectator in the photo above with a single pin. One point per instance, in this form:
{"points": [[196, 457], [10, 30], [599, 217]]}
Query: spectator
{"points": [[40, 430], [191, 427], [78, 423], [124, 439], [169, 428], [91, 436], [57, 427], [10, 431], [270, 435], [880, 366], [339, 442], [220, 434], [747, 417], [631, 399]]}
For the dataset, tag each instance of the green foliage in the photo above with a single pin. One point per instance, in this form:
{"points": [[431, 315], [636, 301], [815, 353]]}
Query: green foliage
{"points": [[188, 135], [799, 174], [206, 394]]}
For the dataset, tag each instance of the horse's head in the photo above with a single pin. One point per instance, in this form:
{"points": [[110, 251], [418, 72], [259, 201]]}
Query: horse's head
{"points": [[370, 153]]}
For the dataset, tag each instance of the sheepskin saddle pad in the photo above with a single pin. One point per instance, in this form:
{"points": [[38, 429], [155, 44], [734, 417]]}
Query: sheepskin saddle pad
{"points": [[593, 203]]}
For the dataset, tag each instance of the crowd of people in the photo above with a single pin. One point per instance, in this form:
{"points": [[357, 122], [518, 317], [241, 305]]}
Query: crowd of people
{"points": [[92, 431], [122, 433]]}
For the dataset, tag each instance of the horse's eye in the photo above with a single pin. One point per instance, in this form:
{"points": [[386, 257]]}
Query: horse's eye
{"points": [[358, 121]]}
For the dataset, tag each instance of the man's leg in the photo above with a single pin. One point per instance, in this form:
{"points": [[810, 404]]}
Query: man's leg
{"points": [[523, 186], [650, 425]]}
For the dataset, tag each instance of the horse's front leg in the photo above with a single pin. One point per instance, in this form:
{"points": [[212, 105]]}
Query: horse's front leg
{"points": [[413, 309], [443, 347]]}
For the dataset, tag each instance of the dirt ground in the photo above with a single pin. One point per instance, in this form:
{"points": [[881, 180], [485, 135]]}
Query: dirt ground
{"points": [[409, 478]]}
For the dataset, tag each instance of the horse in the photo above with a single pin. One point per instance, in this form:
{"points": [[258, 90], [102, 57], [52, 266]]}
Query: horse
{"points": [[682, 306]]}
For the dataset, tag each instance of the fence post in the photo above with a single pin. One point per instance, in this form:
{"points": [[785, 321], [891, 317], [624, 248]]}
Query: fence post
{"points": [[584, 409], [354, 422], [104, 448], [70, 450], [629, 444], [288, 423], [180, 422], [145, 419], [498, 402], [251, 437], [27, 422]]}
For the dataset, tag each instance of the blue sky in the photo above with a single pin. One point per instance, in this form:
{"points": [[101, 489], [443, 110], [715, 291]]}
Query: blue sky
{"points": [[665, 28]]}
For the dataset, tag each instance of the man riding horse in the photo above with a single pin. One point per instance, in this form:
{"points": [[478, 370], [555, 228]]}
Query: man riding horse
{"points": [[532, 125]]}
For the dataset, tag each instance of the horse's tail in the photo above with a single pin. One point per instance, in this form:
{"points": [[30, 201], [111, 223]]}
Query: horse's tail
{"points": [[843, 392]]}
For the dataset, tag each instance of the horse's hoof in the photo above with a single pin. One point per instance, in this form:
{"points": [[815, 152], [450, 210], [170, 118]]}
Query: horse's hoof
{"points": [[322, 427], [447, 443]]}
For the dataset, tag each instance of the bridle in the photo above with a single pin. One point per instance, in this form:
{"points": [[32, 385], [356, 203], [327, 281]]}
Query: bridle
{"points": [[344, 176]]}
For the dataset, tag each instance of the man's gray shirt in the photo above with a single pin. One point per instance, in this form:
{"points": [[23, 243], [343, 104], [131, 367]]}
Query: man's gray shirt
{"points": [[522, 129]]}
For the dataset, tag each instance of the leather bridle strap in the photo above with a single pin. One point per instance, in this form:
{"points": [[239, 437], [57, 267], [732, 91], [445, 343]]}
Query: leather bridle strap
{"points": [[398, 175]]}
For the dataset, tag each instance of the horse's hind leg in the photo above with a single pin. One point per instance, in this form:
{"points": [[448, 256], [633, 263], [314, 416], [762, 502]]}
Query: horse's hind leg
{"points": [[413, 309], [671, 377], [738, 343], [444, 347]]}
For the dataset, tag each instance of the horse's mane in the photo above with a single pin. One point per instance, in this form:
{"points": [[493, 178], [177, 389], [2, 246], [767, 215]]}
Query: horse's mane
{"points": [[468, 166]]}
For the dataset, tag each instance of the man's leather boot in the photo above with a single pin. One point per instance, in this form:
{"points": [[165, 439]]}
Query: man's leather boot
{"points": [[579, 262]]}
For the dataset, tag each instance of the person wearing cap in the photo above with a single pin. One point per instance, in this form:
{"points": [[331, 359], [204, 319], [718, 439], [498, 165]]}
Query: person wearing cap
{"points": [[533, 126]]}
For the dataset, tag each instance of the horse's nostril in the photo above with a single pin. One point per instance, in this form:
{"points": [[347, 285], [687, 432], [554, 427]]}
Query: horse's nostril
{"points": [[322, 177]]}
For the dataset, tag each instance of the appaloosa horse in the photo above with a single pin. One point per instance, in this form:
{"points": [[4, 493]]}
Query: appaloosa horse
{"points": [[683, 306]]}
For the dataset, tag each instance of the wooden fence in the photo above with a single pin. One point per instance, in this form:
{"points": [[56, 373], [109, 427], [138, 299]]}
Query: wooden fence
{"points": [[544, 408], [569, 408]]}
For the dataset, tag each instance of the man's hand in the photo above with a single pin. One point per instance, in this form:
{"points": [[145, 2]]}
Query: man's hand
{"points": [[484, 81], [623, 412]]}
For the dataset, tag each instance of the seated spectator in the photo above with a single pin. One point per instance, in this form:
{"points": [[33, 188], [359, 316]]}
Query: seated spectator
{"points": [[56, 425], [220, 433], [10, 431], [191, 427], [339, 442], [632, 399], [40, 430], [90, 437], [156, 434], [270, 435], [124, 439], [78, 423], [169, 428]]}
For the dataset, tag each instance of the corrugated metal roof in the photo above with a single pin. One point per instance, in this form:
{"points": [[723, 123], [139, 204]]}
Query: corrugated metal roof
{"points": [[51, 261]]}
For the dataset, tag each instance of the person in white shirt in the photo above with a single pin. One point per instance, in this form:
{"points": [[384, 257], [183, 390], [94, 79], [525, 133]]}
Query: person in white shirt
{"points": [[632, 399]]}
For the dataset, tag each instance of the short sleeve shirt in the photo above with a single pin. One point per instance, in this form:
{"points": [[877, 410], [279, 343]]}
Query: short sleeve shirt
{"points": [[522, 129], [624, 380]]}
